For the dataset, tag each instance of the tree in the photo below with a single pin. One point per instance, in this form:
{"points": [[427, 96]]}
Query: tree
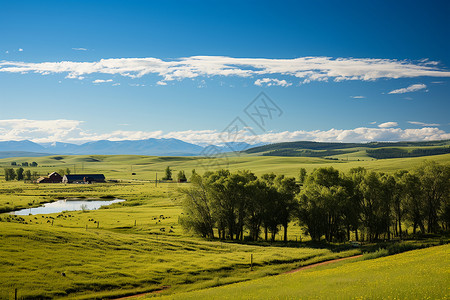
{"points": [[27, 175], [302, 175], [19, 173], [197, 206], [168, 175], [67, 172], [435, 185], [287, 189], [181, 176], [34, 164], [6, 173], [24, 164], [415, 206], [11, 174], [13, 163]]}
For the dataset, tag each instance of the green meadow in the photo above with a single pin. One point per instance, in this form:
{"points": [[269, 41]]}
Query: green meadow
{"points": [[418, 274], [137, 246]]}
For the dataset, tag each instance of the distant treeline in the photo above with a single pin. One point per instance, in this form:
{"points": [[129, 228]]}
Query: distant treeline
{"points": [[304, 153], [326, 203], [399, 153]]}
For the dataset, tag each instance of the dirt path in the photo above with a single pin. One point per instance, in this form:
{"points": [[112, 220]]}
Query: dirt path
{"points": [[322, 263], [143, 294]]}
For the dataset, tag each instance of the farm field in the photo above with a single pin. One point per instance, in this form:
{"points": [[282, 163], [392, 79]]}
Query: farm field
{"points": [[137, 246], [418, 274], [145, 167], [127, 253]]}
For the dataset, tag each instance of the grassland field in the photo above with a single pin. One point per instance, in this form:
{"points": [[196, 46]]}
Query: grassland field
{"points": [[418, 274], [122, 250]]}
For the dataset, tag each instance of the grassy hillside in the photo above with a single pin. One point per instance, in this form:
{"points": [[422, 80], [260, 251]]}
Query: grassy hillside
{"points": [[419, 274], [353, 151]]}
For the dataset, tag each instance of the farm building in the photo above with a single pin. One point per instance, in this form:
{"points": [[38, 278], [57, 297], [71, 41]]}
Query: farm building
{"points": [[83, 178], [51, 178]]}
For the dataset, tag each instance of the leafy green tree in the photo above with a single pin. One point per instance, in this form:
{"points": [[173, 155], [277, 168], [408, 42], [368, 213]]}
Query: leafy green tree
{"points": [[13, 163], [27, 175], [34, 164], [24, 164], [287, 189], [19, 173], [435, 186], [6, 173], [413, 200], [197, 206], [302, 175], [11, 174], [168, 175], [181, 176]]}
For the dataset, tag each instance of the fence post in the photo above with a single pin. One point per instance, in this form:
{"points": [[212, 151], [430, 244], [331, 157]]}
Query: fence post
{"points": [[251, 262], [15, 294]]}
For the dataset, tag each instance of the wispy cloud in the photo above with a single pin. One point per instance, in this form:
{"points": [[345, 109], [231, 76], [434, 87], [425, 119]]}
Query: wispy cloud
{"points": [[272, 82], [20, 49], [305, 69], [388, 125], [411, 88], [71, 131], [423, 124], [102, 80], [79, 49], [358, 97]]}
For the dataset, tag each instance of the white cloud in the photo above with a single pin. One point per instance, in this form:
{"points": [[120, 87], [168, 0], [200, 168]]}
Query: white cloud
{"points": [[272, 82], [161, 82], [116, 84], [358, 97], [388, 125], [6, 51], [102, 81], [411, 88], [79, 49], [70, 131], [423, 124], [374, 122], [39, 130], [305, 68], [20, 49]]}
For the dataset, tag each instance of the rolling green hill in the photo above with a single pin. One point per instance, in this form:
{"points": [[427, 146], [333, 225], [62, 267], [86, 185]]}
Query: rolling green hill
{"points": [[419, 274], [121, 167], [378, 150]]}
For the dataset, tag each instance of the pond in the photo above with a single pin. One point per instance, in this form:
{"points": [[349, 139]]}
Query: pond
{"points": [[65, 205]]}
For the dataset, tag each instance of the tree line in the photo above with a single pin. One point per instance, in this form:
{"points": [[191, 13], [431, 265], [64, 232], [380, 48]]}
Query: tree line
{"points": [[328, 204], [19, 174]]}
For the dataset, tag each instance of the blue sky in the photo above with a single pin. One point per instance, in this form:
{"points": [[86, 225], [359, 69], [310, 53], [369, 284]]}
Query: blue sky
{"points": [[78, 71]]}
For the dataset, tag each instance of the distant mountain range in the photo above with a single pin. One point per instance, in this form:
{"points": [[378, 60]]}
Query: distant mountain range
{"points": [[157, 147], [175, 147]]}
